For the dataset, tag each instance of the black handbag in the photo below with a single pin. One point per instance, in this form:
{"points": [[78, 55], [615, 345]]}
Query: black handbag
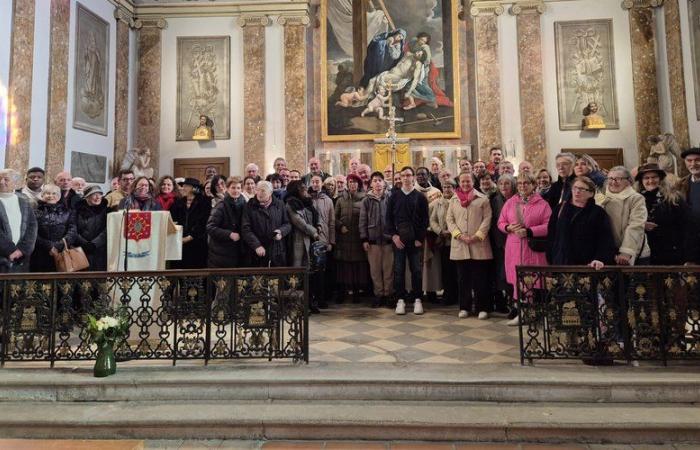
{"points": [[536, 244]]}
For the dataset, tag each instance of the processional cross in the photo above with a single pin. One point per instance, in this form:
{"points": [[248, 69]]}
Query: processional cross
{"points": [[392, 119]]}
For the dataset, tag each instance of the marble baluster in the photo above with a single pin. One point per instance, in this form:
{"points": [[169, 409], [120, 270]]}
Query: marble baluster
{"points": [[149, 81], [20, 86], [674, 57], [531, 83], [254, 89], [295, 90], [58, 88]]}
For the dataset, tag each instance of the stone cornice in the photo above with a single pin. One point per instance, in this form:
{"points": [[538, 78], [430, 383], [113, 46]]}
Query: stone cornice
{"points": [[227, 8], [159, 23], [640, 4], [253, 20], [531, 7]]}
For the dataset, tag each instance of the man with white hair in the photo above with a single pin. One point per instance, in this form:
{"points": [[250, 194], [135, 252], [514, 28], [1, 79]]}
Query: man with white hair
{"points": [[252, 170], [314, 169], [525, 167], [69, 197], [78, 185], [560, 192], [18, 226], [264, 225], [436, 166], [354, 165]]}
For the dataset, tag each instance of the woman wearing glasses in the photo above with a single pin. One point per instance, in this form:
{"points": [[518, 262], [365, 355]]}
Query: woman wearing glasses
{"points": [[579, 230], [628, 216]]}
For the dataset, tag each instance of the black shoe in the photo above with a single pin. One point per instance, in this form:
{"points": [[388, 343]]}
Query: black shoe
{"points": [[512, 314], [322, 305], [376, 302], [502, 312], [313, 309], [597, 360]]}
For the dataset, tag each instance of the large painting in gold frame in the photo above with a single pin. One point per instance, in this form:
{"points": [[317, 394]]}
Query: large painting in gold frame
{"points": [[412, 45]]}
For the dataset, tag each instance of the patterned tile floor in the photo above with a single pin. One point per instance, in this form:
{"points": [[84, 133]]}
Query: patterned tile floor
{"points": [[355, 333]]}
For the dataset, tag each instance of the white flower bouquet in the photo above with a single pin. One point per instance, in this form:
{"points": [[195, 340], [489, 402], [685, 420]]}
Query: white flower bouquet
{"points": [[108, 328]]}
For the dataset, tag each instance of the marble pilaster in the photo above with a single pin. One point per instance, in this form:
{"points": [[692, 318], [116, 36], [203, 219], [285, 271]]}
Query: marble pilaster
{"points": [[531, 83], [149, 79], [646, 96], [295, 93], [674, 57], [20, 86], [58, 88], [121, 97], [488, 85], [254, 89]]}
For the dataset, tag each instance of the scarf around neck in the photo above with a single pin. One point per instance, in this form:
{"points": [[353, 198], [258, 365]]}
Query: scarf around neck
{"points": [[626, 192], [465, 198]]}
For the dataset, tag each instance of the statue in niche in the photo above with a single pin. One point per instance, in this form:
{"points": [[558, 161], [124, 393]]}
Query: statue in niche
{"points": [[592, 120], [204, 132], [92, 96], [665, 152], [138, 160]]}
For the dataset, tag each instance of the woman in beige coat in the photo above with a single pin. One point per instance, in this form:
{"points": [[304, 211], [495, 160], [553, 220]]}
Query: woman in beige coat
{"points": [[469, 220]]}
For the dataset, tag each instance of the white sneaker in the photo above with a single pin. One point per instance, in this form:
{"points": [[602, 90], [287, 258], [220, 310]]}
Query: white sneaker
{"points": [[463, 314], [514, 322], [400, 307], [418, 307], [483, 315]]}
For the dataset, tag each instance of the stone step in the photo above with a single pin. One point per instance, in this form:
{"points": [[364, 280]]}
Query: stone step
{"points": [[340, 420], [341, 382]]}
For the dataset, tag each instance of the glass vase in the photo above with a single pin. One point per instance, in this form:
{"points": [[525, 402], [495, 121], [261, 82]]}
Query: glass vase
{"points": [[105, 365]]}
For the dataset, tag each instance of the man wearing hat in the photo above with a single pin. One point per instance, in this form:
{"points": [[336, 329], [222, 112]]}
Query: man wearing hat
{"points": [[689, 186]]}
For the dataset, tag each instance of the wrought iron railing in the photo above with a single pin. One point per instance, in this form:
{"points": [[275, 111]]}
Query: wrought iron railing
{"points": [[174, 314], [619, 313]]}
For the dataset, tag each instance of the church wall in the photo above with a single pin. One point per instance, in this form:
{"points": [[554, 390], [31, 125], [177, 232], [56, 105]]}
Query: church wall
{"points": [[625, 137], [693, 122], [5, 41], [79, 140], [169, 147]]}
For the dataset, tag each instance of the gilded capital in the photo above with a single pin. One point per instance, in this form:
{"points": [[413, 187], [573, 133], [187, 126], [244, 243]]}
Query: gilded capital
{"points": [[639, 4], [294, 20], [159, 23], [254, 20], [527, 7], [486, 8]]}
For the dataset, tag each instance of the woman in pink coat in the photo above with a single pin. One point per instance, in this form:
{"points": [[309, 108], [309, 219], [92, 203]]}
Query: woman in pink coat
{"points": [[524, 215]]}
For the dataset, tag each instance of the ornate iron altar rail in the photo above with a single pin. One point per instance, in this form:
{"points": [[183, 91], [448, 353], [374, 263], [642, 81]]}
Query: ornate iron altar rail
{"points": [[174, 314], [623, 313]]}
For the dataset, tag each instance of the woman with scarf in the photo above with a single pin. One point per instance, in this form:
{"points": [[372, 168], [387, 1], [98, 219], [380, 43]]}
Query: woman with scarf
{"points": [[525, 216], [468, 221], [248, 188], [167, 194], [544, 181], [351, 260], [141, 198], [224, 227], [667, 216], [628, 215], [192, 212]]}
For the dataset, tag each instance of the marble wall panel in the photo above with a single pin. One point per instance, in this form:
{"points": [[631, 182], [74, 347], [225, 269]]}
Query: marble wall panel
{"points": [[121, 97], [58, 88], [295, 96], [468, 79], [148, 111], [20, 86], [646, 96], [488, 83], [254, 95], [531, 88], [674, 56]]}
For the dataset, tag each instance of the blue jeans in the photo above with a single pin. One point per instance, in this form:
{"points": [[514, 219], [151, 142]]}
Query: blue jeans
{"points": [[415, 264]]}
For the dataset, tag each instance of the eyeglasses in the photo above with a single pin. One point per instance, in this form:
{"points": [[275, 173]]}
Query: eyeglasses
{"points": [[616, 179], [580, 189], [524, 183]]}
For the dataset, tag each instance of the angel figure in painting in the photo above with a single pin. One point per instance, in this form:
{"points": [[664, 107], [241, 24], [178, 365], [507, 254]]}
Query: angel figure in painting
{"points": [[377, 104], [592, 120], [204, 132]]}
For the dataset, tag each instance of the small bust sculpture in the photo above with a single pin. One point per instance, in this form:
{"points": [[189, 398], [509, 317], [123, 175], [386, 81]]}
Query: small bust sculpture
{"points": [[204, 132], [592, 121]]}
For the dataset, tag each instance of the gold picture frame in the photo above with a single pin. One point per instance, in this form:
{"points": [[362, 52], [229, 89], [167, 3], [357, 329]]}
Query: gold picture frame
{"points": [[423, 121]]}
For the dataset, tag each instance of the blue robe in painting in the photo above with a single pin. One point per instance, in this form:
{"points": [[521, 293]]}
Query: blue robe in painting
{"points": [[380, 57]]}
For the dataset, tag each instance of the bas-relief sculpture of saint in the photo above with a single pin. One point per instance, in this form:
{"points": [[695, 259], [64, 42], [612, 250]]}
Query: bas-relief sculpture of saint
{"points": [[203, 84], [139, 161], [204, 132], [91, 72]]}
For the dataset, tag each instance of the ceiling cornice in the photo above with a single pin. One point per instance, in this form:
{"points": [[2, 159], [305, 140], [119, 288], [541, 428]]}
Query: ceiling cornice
{"points": [[217, 9]]}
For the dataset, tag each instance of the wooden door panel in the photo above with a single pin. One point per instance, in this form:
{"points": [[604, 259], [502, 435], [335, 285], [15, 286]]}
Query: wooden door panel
{"points": [[195, 167], [607, 158]]}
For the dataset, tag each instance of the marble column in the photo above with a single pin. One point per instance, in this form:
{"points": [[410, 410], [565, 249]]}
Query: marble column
{"points": [[295, 113], [121, 98], [488, 77], [58, 88], [646, 96], [20, 86], [254, 89], [531, 83], [148, 111], [674, 57]]}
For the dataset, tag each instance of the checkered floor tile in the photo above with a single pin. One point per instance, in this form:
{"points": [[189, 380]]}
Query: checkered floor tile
{"points": [[354, 333]]}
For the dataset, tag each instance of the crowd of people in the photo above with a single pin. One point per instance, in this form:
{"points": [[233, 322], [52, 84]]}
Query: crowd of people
{"points": [[395, 238]]}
